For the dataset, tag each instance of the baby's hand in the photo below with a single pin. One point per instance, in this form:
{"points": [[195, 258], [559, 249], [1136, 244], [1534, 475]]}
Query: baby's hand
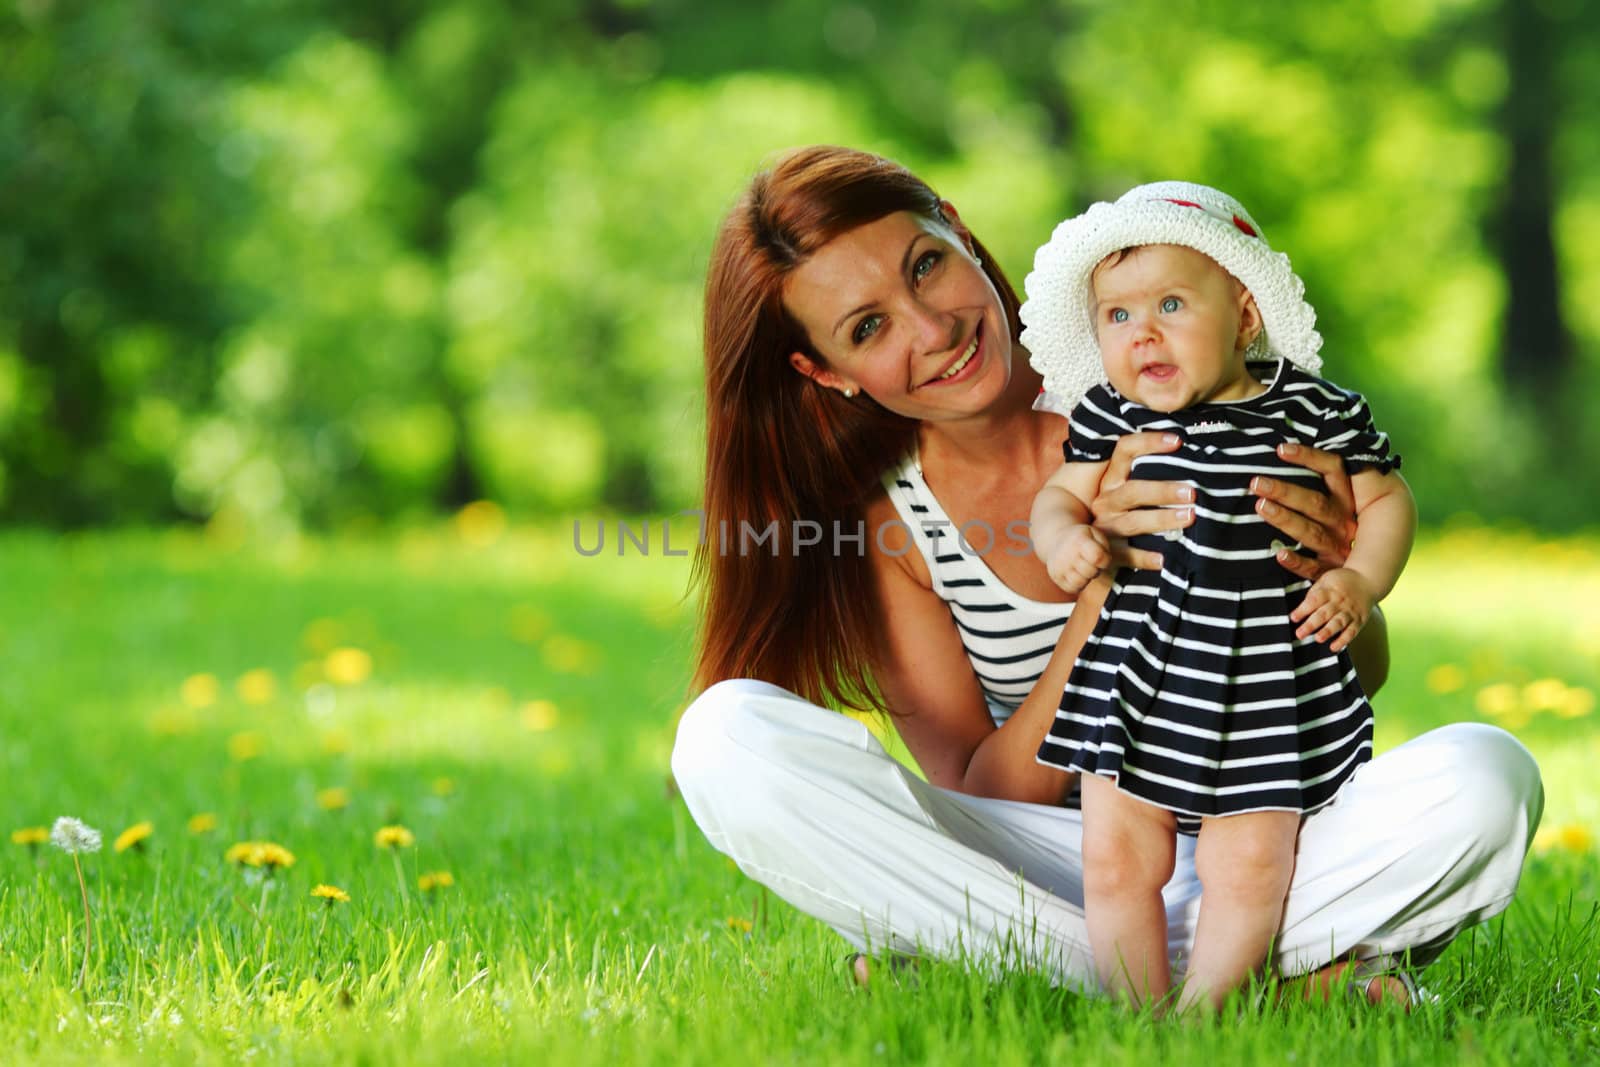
{"points": [[1078, 557], [1335, 608]]}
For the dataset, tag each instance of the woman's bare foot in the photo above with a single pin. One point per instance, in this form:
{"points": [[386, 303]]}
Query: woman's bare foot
{"points": [[1359, 978], [863, 967], [861, 970]]}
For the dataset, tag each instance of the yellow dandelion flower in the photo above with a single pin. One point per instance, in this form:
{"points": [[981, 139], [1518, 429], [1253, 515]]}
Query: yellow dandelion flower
{"points": [[1576, 703], [272, 855], [242, 852], [256, 687], [336, 742], [259, 854], [435, 880], [203, 823], [742, 925], [333, 798], [245, 746], [481, 523], [394, 837], [347, 666], [1445, 678], [1546, 694], [30, 835], [199, 690], [332, 894], [1497, 701], [133, 837], [539, 716], [1575, 837], [443, 787]]}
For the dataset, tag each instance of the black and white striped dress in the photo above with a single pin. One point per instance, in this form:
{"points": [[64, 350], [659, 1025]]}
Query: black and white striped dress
{"points": [[1193, 692]]}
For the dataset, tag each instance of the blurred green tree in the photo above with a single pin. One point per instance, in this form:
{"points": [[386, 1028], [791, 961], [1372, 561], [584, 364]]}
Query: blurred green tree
{"points": [[296, 262]]}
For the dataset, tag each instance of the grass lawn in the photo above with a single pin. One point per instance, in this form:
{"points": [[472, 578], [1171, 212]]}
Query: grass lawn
{"points": [[511, 703]]}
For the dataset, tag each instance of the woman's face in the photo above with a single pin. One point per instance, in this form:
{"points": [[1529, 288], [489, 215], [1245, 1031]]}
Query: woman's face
{"points": [[899, 309]]}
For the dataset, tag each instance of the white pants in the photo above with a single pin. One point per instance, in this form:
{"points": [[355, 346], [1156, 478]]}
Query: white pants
{"points": [[1425, 841]]}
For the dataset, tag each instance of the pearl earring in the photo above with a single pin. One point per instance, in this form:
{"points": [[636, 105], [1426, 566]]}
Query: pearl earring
{"points": [[848, 393]]}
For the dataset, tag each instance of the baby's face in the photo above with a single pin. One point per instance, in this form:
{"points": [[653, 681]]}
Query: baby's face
{"points": [[1173, 327]]}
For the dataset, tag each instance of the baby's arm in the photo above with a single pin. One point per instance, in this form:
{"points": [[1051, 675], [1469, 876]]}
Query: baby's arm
{"points": [[1338, 605], [1073, 551]]}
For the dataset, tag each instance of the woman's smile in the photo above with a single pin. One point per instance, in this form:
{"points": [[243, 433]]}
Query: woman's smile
{"points": [[963, 366]]}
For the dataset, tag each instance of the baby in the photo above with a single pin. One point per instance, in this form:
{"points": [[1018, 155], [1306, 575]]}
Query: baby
{"points": [[1215, 696]]}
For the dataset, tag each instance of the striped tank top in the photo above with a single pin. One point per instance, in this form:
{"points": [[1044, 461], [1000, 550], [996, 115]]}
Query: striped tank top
{"points": [[1008, 637]]}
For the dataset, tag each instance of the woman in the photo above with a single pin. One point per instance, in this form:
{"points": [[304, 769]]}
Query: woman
{"points": [[872, 446]]}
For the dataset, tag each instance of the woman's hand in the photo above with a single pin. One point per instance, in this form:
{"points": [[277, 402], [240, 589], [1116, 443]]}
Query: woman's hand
{"points": [[1125, 509], [1323, 523]]}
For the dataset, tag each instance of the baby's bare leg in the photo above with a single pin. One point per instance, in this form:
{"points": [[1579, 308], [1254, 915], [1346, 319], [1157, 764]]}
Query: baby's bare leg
{"points": [[1244, 863], [1127, 857]]}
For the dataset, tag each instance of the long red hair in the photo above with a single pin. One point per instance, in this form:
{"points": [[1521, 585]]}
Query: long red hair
{"points": [[781, 448]]}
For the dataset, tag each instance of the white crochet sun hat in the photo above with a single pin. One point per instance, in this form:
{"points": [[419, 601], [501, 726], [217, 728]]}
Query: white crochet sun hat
{"points": [[1058, 327]]}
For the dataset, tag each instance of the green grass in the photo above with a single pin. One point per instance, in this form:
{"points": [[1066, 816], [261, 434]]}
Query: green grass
{"points": [[590, 922]]}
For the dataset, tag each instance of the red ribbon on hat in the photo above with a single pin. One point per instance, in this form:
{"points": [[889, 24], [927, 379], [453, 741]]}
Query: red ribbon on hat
{"points": [[1243, 226]]}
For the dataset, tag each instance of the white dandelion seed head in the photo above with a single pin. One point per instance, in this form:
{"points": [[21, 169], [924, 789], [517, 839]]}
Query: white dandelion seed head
{"points": [[71, 835]]}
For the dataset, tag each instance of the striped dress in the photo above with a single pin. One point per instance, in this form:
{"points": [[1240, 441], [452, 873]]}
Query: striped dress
{"points": [[1193, 692]]}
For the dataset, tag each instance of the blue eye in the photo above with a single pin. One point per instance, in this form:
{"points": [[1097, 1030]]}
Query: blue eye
{"points": [[865, 328], [925, 264], [1171, 303], [1119, 315]]}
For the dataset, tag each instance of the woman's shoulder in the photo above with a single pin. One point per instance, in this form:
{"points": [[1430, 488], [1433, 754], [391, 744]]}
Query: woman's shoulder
{"points": [[889, 541]]}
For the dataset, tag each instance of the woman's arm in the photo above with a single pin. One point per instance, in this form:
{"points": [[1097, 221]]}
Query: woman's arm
{"points": [[1369, 653], [920, 667], [939, 710], [1005, 764]]}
